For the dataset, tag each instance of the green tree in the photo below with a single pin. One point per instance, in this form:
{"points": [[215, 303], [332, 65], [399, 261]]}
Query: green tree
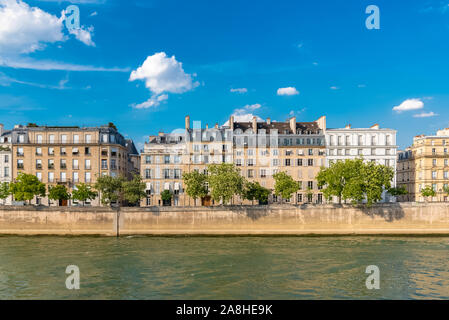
{"points": [[4, 191], [134, 190], [83, 192], [284, 185], [446, 190], [110, 189], [26, 187], [377, 178], [309, 193], [166, 197], [225, 181], [428, 192], [196, 184], [398, 191], [58, 192], [254, 191]]}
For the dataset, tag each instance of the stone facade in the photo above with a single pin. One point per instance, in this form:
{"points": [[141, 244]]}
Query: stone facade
{"points": [[5, 159], [425, 163], [258, 149]]}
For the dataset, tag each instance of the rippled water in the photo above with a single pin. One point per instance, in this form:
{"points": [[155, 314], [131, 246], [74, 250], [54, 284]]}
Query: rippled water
{"points": [[224, 267]]}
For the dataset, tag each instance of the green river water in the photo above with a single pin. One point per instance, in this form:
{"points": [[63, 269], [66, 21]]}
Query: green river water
{"points": [[224, 267]]}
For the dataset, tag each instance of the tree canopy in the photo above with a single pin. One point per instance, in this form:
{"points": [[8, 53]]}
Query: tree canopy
{"points": [[284, 185], [83, 192], [225, 181], [58, 192], [195, 184], [254, 191], [134, 190], [26, 187], [355, 180], [110, 188], [4, 191]]}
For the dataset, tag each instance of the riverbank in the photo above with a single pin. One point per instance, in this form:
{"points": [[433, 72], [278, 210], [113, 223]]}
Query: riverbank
{"points": [[395, 218]]}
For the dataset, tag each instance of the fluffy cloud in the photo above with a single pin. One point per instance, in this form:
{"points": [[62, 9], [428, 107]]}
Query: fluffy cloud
{"points": [[25, 29], [239, 90], [246, 109], [425, 114], [162, 75], [289, 91], [334, 88], [409, 104], [84, 35], [245, 114]]}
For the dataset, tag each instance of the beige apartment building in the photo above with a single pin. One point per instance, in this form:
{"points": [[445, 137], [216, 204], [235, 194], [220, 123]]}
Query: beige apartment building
{"points": [[425, 163], [70, 155], [258, 149]]}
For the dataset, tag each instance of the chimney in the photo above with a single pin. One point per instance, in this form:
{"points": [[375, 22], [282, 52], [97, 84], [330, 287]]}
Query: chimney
{"points": [[322, 123], [207, 126], [268, 121], [348, 126], [375, 126], [187, 122], [1, 129], [216, 125], [231, 122], [293, 124], [255, 124]]}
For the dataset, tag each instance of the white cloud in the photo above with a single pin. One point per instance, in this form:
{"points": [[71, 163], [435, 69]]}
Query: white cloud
{"points": [[84, 35], [246, 109], [425, 114], [239, 90], [162, 75], [153, 101], [47, 65], [409, 104], [289, 91], [25, 29], [93, 14], [245, 114], [334, 88]]}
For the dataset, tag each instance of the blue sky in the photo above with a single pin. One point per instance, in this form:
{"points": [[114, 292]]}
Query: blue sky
{"points": [[230, 57]]}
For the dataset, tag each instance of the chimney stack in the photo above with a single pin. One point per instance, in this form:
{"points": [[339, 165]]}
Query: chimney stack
{"points": [[375, 126], [207, 126], [1, 129], [216, 125], [293, 124], [268, 121], [348, 126], [187, 122], [231, 122], [255, 124], [322, 123]]}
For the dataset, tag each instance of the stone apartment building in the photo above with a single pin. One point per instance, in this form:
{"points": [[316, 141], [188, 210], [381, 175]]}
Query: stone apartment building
{"points": [[425, 163], [69, 155], [258, 149], [372, 144], [5, 158]]}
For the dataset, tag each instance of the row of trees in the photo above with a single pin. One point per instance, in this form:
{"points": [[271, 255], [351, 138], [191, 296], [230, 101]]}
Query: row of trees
{"points": [[224, 181], [111, 190], [357, 181]]}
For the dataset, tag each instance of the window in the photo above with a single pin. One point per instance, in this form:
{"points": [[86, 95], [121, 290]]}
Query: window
{"points": [[310, 162], [309, 184], [38, 164], [250, 173], [104, 138], [177, 174], [75, 165], [445, 162], [299, 197], [75, 151], [114, 152], [360, 140], [434, 174], [275, 152], [20, 152], [287, 162], [360, 152], [63, 138], [250, 162], [20, 164], [434, 151], [148, 159], [104, 163], [51, 176], [434, 162], [275, 162], [113, 164], [166, 159], [63, 164], [6, 158], [166, 173], [263, 173], [63, 177], [310, 152], [87, 177], [76, 138], [51, 164], [87, 164], [51, 151], [104, 152], [87, 151], [299, 162], [6, 175], [21, 138], [38, 151], [88, 138], [76, 177], [446, 175], [51, 138], [238, 162], [63, 153], [39, 138]]}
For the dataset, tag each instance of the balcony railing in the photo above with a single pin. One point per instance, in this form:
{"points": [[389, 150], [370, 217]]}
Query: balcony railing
{"points": [[20, 154]]}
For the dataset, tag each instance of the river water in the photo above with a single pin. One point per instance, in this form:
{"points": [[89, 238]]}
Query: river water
{"points": [[224, 267]]}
